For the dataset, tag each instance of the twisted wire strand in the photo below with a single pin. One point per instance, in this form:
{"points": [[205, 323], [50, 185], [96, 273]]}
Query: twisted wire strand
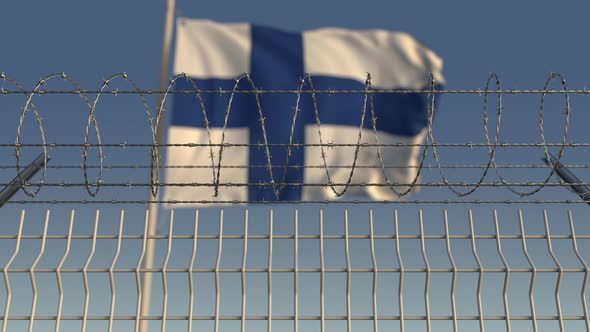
{"points": [[296, 91], [299, 145], [542, 127], [427, 166], [156, 151], [262, 202], [92, 118], [492, 150], [318, 125], [16, 145], [261, 119], [299, 184], [155, 118]]}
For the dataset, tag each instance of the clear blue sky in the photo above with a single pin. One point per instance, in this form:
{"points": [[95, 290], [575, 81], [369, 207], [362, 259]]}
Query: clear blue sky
{"points": [[521, 41]]}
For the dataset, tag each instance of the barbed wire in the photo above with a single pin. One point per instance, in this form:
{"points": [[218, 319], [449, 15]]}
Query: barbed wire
{"points": [[299, 145], [91, 99], [306, 202], [427, 166], [318, 91], [299, 184]]}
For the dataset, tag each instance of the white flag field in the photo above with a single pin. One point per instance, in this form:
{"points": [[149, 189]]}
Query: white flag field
{"points": [[278, 145]]}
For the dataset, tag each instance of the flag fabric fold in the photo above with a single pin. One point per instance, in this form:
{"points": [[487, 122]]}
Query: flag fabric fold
{"points": [[290, 146]]}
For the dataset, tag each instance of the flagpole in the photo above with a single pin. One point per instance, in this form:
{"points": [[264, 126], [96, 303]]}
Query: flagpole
{"points": [[153, 207]]}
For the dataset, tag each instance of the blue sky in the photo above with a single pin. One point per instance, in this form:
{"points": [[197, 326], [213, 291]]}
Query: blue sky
{"points": [[521, 41]]}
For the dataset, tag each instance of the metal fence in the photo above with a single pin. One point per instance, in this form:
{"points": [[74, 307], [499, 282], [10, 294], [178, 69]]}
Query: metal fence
{"points": [[289, 277], [485, 245]]}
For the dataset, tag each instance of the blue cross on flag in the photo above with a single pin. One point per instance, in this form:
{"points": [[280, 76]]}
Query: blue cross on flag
{"points": [[213, 55]]}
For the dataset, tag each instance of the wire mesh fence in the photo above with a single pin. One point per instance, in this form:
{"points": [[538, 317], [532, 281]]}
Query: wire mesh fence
{"points": [[490, 238], [303, 272]]}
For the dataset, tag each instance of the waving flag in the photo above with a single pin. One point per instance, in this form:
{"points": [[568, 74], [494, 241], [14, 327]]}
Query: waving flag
{"points": [[257, 165]]}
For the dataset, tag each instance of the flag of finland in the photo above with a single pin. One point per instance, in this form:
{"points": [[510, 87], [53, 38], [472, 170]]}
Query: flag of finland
{"points": [[261, 167]]}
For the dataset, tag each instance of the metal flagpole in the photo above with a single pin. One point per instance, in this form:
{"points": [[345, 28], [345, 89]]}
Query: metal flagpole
{"points": [[153, 207]]}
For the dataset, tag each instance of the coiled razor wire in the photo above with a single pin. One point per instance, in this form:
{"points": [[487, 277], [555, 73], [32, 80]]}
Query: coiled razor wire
{"points": [[305, 87]]}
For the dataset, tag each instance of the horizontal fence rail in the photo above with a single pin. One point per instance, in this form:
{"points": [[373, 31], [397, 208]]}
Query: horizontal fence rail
{"points": [[389, 279]]}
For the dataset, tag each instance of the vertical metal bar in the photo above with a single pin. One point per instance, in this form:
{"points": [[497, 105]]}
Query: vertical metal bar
{"points": [[269, 276], [427, 281], [296, 270], [348, 272], [401, 273], [586, 269], [375, 271], [85, 271], [507, 274], [534, 274], [148, 264], [165, 273], [217, 263], [559, 275], [322, 274], [480, 268], [7, 267], [153, 207], [58, 274], [191, 289], [111, 273], [137, 271], [244, 257], [454, 277], [32, 272]]}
